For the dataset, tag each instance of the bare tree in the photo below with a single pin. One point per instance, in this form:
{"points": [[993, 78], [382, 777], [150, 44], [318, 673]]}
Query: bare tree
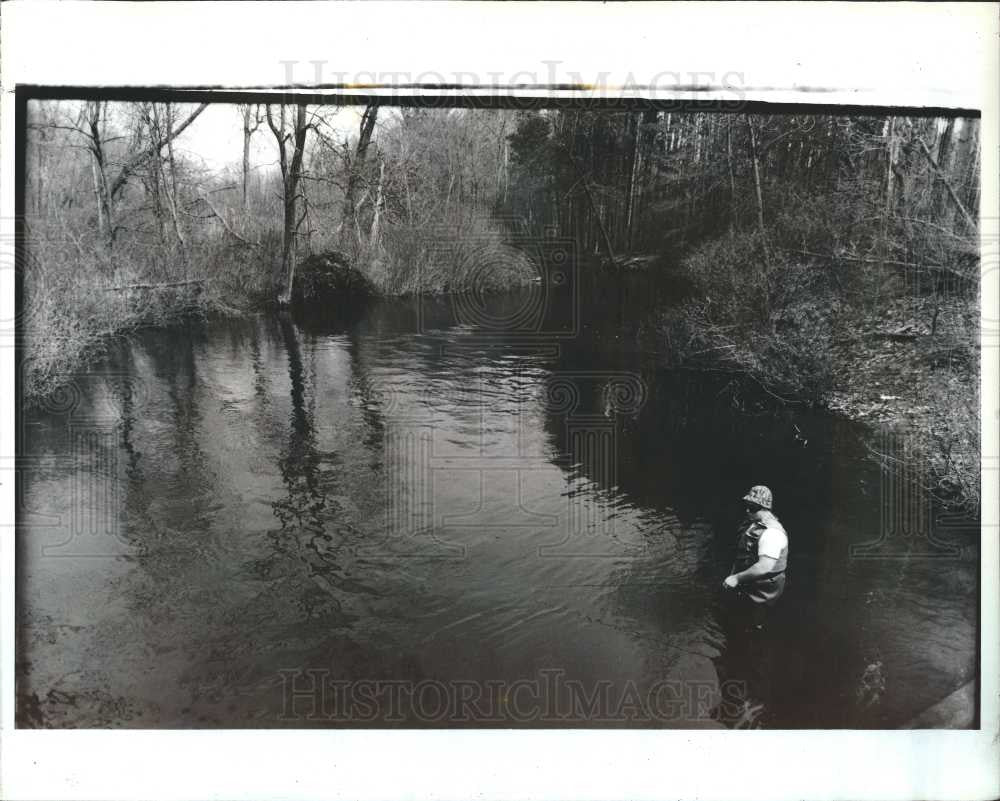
{"points": [[289, 135], [145, 148], [755, 156], [138, 159], [354, 166], [91, 124], [251, 122], [162, 186]]}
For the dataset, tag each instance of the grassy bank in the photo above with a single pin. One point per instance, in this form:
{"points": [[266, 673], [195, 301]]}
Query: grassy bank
{"points": [[79, 295], [874, 343]]}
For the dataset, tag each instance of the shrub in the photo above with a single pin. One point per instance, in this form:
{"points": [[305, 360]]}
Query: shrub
{"points": [[78, 294], [325, 275], [727, 275], [467, 252]]}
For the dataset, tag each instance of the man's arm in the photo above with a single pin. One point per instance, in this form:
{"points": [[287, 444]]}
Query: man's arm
{"points": [[763, 566]]}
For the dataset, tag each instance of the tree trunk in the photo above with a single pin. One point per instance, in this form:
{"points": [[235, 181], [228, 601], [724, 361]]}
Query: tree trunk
{"points": [[39, 168], [172, 208], [170, 186], [355, 164], [945, 157], [373, 234], [766, 289], [246, 172], [890, 163], [248, 132], [951, 191], [733, 222], [170, 152], [605, 239], [105, 220], [291, 173], [630, 188], [966, 152], [156, 173], [98, 194], [758, 191]]}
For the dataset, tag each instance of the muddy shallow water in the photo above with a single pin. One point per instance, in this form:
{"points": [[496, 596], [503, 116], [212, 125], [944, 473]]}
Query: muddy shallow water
{"points": [[363, 519]]}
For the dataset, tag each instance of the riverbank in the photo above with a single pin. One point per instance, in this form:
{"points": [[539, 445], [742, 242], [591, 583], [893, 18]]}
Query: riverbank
{"points": [[900, 376], [903, 363], [75, 304], [70, 327], [889, 370], [903, 359]]}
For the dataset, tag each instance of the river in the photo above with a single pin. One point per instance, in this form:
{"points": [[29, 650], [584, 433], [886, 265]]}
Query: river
{"points": [[441, 512]]}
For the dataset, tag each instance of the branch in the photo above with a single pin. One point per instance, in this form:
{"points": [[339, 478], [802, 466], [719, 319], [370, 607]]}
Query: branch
{"points": [[942, 229], [951, 191], [244, 109], [155, 286], [270, 123], [136, 161], [225, 225], [322, 180], [798, 129], [38, 126], [739, 371], [863, 260]]}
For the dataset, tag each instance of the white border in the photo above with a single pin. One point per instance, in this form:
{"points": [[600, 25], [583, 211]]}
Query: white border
{"points": [[891, 54]]}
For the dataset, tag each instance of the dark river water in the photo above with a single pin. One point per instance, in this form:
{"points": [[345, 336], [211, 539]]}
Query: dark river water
{"points": [[426, 513]]}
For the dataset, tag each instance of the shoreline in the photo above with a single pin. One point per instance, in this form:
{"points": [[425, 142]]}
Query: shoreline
{"points": [[880, 381], [916, 387]]}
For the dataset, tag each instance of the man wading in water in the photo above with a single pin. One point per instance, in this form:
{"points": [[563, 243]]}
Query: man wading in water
{"points": [[756, 581], [758, 574]]}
